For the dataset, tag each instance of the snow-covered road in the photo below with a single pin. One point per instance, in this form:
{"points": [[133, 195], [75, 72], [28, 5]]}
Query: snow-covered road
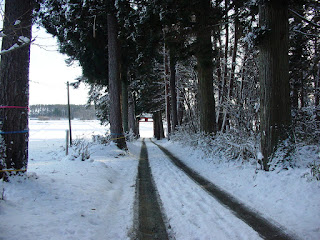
{"points": [[190, 211]]}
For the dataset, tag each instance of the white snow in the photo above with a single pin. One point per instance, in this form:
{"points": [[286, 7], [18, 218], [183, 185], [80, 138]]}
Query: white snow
{"points": [[66, 198], [17, 22], [23, 39], [288, 198]]}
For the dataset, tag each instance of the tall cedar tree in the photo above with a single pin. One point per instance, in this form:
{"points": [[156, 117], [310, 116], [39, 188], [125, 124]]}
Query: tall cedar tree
{"points": [[114, 82], [274, 78], [95, 50], [204, 56], [14, 83]]}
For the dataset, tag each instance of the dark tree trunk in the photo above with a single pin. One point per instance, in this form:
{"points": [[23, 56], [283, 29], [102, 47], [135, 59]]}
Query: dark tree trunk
{"points": [[114, 83], [205, 69], [161, 126], [217, 40], [131, 116], [173, 91], [14, 84], [316, 74], [124, 99], [156, 129], [166, 73], [180, 112], [274, 78], [318, 95], [158, 125]]}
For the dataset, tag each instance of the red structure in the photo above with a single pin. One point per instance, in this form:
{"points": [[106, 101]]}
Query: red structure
{"points": [[145, 119]]}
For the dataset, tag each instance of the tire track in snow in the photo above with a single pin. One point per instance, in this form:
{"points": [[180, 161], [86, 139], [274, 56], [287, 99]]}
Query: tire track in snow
{"points": [[151, 225], [191, 212], [266, 229]]}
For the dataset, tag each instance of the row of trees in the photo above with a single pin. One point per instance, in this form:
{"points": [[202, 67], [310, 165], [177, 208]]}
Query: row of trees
{"points": [[214, 66], [82, 112]]}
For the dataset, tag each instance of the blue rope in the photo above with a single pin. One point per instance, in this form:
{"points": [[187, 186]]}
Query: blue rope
{"points": [[117, 134], [13, 132]]}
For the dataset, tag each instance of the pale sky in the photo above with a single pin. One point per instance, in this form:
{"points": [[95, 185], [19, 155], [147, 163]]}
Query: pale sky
{"points": [[49, 73]]}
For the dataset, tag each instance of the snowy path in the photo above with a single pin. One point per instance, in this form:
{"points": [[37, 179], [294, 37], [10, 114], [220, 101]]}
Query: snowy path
{"points": [[190, 211], [265, 228], [150, 219]]}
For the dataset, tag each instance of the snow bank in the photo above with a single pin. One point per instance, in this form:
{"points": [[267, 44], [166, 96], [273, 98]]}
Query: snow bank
{"points": [[66, 198]]}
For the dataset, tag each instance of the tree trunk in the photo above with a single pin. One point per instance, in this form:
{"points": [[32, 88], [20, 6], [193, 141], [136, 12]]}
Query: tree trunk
{"points": [[274, 78], [316, 74], [161, 126], [173, 91], [114, 83], [166, 73], [224, 91], [124, 98], [205, 69], [234, 53], [219, 76], [14, 84], [132, 118], [156, 132], [158, 125], [317, 102], [226, 115]]}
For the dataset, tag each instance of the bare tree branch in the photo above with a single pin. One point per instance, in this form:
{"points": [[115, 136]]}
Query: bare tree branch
{"points": [[303, 18]]}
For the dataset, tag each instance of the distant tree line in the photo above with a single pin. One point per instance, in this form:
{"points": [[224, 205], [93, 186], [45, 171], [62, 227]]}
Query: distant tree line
{"points": [[55, 111]]}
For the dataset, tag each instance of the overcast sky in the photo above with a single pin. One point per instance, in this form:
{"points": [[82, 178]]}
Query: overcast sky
{"points": [[49, 73]]}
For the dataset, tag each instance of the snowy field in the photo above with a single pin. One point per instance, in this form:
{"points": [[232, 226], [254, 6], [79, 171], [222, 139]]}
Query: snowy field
{"points": [[65, 198]]}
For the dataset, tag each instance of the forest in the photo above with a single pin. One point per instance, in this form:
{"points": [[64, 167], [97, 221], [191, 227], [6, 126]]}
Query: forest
{"points": [[242, 75]]}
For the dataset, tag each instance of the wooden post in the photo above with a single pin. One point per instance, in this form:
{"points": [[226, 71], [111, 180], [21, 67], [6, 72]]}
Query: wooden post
{"points": [[69, 114], [67, 142]]}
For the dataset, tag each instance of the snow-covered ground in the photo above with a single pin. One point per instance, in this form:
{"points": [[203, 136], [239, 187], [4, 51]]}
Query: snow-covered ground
{"points": [[66, 198], [287, 198]]}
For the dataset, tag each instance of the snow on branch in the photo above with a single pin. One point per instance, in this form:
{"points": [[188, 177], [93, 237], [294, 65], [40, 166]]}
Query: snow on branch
{"points": [[23, 41]]}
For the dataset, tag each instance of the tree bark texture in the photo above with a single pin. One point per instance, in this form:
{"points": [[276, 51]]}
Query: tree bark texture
{"points": [[205, 69], [14, 84], [114, 83], [124, 99], [131, 115], [274, 78], [166, 74], [317, 93], [158, 125]]}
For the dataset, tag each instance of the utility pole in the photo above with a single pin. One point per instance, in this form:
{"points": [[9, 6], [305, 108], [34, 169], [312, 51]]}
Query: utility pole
{"points": [[69, 114]]}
